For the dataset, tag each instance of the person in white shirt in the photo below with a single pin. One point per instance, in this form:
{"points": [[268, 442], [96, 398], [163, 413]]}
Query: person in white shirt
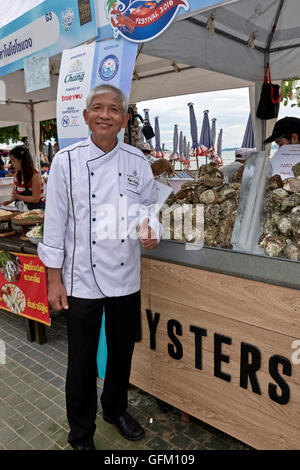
{"points": [[99, 209]]}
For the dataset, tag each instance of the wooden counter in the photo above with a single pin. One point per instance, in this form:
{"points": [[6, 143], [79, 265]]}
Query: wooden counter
{"points": [[222, 348]]}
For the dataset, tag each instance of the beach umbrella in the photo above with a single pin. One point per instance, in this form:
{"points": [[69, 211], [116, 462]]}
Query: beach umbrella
{"points": [[205, 138], [248, 140], [146, 114], [213, 132], [174, 154], [194, 133], [158, 150]]}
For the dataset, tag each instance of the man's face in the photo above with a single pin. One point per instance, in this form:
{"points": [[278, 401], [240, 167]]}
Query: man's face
{"points": [[287, 140], [105, 117]]}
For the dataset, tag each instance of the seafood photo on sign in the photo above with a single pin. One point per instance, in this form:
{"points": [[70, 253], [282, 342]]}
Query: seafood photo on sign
{"points": [[10, 266], [13, 298]]}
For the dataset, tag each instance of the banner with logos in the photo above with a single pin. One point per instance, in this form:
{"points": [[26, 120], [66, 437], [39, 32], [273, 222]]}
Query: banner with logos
{"points": [[23, 286], [73, 88], [141, 21], [52, 25], [82, 68]]}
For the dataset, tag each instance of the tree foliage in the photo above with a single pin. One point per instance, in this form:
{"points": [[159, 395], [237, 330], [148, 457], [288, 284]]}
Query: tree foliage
{"points": [[290, 92], [9, 134]]}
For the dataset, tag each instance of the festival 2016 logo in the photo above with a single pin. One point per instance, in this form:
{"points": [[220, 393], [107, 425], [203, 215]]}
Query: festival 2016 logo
{"points": [[108, 68], [141, 21]]}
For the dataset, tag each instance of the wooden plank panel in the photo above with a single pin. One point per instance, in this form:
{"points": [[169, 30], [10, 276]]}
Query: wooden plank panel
{"points": [[141, 366], [145, 275], [256, 429], [184, 369], [263, 305]]}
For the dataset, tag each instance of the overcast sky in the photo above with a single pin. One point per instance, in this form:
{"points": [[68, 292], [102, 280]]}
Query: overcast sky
{"points": [[230, 107]]}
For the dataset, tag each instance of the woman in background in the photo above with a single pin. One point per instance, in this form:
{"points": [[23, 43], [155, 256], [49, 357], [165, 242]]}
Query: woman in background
{"points": [[28, 184]]}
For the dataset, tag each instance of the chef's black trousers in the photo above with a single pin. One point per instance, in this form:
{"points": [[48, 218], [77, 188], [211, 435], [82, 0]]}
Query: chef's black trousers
{"points": [[84, 318]]}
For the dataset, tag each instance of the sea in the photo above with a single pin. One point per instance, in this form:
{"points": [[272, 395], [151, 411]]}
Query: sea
{"points": [[228, 156]]}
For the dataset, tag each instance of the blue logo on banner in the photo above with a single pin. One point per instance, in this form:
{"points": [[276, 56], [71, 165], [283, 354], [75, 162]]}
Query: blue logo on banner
{"points": [[140, 21], [65, 121], [109, 67], [67, 18]]}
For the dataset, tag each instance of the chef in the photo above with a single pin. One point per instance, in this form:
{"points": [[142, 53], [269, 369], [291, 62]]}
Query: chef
{"points": [[100, 197]]}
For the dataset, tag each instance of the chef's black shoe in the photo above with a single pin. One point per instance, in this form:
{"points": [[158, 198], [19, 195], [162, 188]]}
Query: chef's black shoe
{"points": [[128, 426]]}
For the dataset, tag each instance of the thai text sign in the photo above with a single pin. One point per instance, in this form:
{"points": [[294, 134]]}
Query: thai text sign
{"points": [[52, 25], [23, 286]]}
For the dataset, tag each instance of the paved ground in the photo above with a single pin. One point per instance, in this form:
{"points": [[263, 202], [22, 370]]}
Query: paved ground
{"points": [[32, 402]]}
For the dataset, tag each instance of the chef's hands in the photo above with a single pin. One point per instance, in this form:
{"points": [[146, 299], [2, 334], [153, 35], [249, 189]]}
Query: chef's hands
{"points": [[57, 295], [147, 235]]}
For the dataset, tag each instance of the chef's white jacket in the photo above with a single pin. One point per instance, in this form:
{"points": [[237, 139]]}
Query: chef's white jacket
{"points": [[87, 231]]}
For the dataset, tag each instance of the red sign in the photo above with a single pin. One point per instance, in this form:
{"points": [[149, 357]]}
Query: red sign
{"points": [[23, 286]]}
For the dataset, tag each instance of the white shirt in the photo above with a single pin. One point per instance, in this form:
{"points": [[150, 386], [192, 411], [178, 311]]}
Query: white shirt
{"points": [[86, 192]]}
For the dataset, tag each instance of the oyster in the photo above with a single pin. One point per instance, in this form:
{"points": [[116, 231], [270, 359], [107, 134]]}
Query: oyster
{"points": [[296, 169], [292, 185], [227, 207], [274, 182], [292, 251], [211, 234], [273, 245], [208, 197], [284, 224], [225, 194], [212, 214], [214, 180], [290, 201], [270, 227], [225, 233], [295, 222]]}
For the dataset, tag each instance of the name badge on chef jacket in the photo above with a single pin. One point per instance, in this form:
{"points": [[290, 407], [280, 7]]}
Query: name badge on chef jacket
{"points": [[133, 181]]}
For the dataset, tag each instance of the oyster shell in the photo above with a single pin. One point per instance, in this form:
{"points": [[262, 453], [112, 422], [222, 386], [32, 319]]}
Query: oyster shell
{"points": [[292, 251], [296, 169], [284, 224], [212, 214], [270, 227], [290, 201], [225, 194], [227, 207], [292, 185], [225, 233], [295, 222], [208, 197], [274, 182], [273, 245], [211, 235]]}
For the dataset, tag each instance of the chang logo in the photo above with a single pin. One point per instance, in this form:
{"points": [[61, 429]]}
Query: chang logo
{"points": [[75, 72], [108, 68]]}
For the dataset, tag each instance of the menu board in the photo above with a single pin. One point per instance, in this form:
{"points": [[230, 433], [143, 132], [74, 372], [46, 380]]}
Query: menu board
{"points": [[23, 286], [284, 159]]}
